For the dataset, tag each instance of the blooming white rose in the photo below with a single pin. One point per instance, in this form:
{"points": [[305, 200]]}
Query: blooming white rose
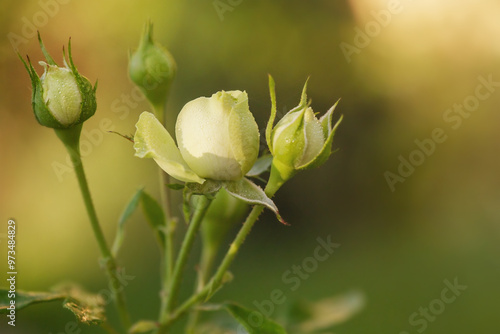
{"points": [[218, 139]]}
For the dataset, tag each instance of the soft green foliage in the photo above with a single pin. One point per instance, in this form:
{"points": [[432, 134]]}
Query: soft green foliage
{"points": [[155, 217], [143, 326], [87, 308], [153, 213], [127, 212], [217, 149], [25, 298], [254, 322], [315, 317]]}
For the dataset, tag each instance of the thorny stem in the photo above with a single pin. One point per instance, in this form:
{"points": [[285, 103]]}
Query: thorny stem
{"points": [[187, 244], [218, 278], [71, 139]]}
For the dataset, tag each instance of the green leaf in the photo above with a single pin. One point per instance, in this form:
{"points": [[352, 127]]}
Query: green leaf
{"points": [[263, 164], [253, 321], [326, 151], [127, 212], [143, 326], [25, 298], [208, 187], [155, 216], [88, 308], [326, 313], [251, 193]]}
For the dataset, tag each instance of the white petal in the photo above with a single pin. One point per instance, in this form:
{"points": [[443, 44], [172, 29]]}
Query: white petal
{"points": [[152, 140]]}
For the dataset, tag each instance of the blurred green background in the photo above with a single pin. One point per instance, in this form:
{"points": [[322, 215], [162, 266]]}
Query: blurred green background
{"points": [[400, 77]]}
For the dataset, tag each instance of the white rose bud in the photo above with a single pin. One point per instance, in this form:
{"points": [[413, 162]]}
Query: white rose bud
{"points": [[61, 94], [218, 139], [217, 136]]}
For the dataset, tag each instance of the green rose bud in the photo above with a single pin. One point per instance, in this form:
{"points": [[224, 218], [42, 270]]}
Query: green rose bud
{"points": [[218, 139], [299, 141], [62, 98], [152, 68]]}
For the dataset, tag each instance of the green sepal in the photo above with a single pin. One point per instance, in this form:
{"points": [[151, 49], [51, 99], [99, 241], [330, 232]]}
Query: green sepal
{"points": [[246, 318], [207, 188], [87, 92], [262, 165], [42, 113], [249, 192], [326, 151], [46, 54]]}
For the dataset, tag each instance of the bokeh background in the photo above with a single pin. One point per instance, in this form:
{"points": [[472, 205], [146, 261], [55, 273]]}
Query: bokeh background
{"points": [[398, 244]]}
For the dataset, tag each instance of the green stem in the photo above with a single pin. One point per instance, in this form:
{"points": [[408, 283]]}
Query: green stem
{"points": [[187, 244], [165, 199], [169, 225], [71, 139], [207, 262], [218, 279]]}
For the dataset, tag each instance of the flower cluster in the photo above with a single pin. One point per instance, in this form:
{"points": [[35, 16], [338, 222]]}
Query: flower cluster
{"points": [[218, 140]]}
